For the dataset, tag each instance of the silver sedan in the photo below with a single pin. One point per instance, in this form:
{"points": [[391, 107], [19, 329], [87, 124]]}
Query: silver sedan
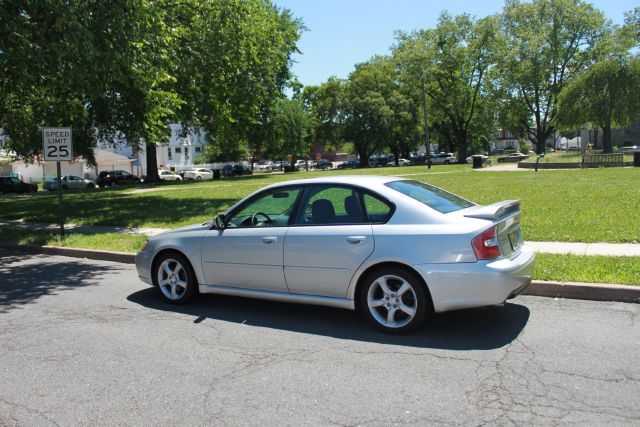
{"points": [[396, 250]]}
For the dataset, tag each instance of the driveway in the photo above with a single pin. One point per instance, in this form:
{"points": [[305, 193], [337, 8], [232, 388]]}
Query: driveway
{"points": [[86, 343]]}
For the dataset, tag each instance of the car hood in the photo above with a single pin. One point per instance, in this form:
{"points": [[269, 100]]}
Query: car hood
{"points": [[186, 229]]}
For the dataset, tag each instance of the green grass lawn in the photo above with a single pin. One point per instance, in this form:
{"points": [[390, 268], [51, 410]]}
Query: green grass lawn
{"points": [[591, 205]]}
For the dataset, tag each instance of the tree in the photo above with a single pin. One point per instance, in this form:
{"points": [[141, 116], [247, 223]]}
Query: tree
{"points": [[121, 71], [605, 95], [546, 43], [82, 65], [292, 127], [325, 103], [453, 59], [367, 115], [231, 64]]}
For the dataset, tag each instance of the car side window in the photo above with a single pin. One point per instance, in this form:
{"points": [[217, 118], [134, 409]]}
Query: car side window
{"points": [[376, 209], [270, 209], [331, 205]]}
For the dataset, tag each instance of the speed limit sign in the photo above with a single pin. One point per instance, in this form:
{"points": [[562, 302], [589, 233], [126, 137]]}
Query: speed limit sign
{"points": [[57, 144]]}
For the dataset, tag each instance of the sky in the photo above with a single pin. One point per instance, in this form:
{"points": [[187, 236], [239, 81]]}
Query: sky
{"points": [[342, 33]]}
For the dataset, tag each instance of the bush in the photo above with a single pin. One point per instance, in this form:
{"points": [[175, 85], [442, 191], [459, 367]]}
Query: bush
{"points": [[524, 147]]}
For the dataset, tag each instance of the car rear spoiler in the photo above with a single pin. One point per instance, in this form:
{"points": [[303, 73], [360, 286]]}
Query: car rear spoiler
{"points": [[494, 211]]}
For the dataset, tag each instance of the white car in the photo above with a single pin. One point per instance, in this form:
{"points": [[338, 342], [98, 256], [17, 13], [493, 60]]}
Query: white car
{"points": [[71, 182], [401, 162], [396, 250], [442, 159], [169, 176], [198, 174]]}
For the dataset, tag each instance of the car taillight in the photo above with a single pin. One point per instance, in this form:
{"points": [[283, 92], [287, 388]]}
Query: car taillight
{"points": [[486, 245]]}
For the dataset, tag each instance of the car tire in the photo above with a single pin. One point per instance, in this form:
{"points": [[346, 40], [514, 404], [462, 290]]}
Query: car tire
{"points": [[198, 177], [113, 184], [89, 186], [175, 278], [64, 187], [394, 300]]}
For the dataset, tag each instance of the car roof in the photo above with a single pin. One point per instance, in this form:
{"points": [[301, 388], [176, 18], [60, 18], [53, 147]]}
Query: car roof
{"points": [[358, 180]]}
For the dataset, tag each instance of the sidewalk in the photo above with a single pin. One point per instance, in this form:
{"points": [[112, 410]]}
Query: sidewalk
{"points": [[599, 249]]}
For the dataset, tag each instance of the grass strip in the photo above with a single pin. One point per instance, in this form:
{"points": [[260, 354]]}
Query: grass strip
{"points": [[107, 241], [589, 269]]}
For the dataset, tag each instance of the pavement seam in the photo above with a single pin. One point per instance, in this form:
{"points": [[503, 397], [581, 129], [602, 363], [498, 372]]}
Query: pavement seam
{"points": [[571, 290]]}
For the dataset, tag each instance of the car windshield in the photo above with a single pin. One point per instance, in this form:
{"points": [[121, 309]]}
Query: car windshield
{"points": [[434, 197]]}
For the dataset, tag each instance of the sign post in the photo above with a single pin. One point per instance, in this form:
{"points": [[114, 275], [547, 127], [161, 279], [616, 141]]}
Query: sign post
{"points": [[57, 147]]}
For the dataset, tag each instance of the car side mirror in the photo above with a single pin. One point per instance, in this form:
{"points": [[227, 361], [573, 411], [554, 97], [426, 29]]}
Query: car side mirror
{"points": [[218, 221]]}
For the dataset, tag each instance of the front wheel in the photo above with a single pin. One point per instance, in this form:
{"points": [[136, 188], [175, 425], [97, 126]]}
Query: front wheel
{"points": [[394, 300], [175, 278]]}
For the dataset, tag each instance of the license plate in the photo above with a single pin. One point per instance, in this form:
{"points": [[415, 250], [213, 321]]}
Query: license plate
{"points": [[514, 239]]}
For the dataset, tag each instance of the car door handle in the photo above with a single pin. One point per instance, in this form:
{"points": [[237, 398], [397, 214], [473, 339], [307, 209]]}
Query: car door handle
{"points": [[354, 240], [269, 240]]}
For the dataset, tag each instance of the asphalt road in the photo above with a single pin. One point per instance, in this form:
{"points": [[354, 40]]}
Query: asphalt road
{"points": [[86, 343]]}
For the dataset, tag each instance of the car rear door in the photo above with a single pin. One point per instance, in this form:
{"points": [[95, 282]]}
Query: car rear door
{"points": [[327, 243]]}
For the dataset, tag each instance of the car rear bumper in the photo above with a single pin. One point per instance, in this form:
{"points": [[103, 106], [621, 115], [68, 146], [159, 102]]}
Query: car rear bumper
{"points": [[143, 265], [465, 285]]}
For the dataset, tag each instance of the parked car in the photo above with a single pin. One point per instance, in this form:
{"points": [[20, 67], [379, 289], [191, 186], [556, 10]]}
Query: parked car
{"points": [[348, 164], [263, 166], [11, 184], [235, 169], [513, 157], [375, 161], [198, 174], [442, 158], [485, 159], [68, 182], [300, 164], [323, 164], [115, 177], [401, 162], [433, 251], [166, 175]]}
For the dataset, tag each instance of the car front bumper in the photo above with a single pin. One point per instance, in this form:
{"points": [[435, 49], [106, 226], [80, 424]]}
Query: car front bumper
{"points": [[143, 265], [466, 285]]}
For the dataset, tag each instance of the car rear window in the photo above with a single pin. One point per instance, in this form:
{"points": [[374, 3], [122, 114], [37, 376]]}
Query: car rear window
{"points": [[434, 197]]}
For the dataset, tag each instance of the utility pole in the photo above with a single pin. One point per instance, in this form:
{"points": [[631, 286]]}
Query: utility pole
{"points": [[426, 122]]}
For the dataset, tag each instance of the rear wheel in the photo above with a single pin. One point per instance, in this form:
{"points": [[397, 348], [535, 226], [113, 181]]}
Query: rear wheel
{"points": [[175, 278], [394, 300]]}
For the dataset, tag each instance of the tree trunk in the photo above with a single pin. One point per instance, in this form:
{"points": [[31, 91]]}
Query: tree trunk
{"points": [[364, 158], [606, 139], [152, 163]]}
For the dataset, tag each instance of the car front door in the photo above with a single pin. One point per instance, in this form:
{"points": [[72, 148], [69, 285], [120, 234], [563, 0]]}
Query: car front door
{"points": [[247, 253], [327, 243]]}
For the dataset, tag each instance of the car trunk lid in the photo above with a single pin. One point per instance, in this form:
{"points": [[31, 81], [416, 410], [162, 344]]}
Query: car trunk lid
{"points": [[505, 216]]}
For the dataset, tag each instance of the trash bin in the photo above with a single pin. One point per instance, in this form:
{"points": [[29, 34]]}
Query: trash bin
{"points": [[636, 158], [477, 161], [216, 174]]}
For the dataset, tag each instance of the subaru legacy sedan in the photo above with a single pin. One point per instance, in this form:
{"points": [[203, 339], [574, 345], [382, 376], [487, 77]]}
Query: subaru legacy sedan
{"points": [[394, 249]]}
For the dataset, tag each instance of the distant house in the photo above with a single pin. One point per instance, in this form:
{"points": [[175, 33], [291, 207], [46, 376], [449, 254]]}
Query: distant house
{"points": [[505, 140]]}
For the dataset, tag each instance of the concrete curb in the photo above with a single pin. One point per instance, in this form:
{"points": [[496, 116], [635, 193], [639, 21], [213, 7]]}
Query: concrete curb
{"points": [[123, 257], [586, 291], [572, 290]]}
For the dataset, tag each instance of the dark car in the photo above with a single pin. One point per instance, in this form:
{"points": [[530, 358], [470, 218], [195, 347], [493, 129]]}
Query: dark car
{"points": [[349, 164], [235, 169], [11, 184], [117, 177], [324, 164]]}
